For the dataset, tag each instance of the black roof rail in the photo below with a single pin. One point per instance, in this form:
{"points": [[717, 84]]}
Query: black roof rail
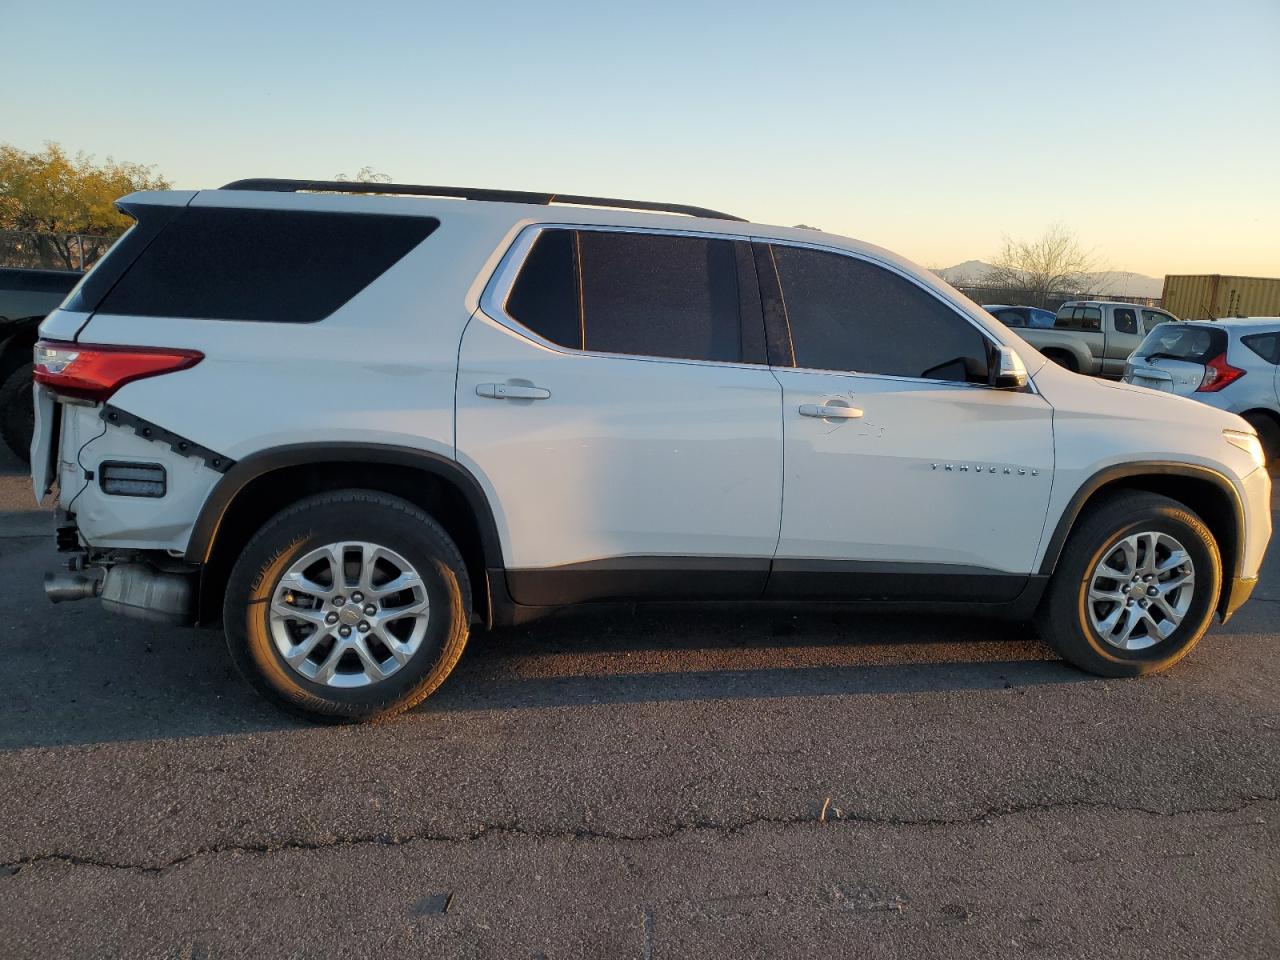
{"points": [[471, 193]]}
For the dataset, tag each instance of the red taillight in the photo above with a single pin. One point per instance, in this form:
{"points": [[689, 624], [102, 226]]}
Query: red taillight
{"points": [[96, 371], [1217, 374]]}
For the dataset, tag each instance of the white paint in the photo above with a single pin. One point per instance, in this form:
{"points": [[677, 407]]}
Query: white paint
{"points": [[627, 455]]}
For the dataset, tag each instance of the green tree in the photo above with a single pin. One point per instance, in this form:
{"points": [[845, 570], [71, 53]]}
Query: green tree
{"points": [[49, 196]]}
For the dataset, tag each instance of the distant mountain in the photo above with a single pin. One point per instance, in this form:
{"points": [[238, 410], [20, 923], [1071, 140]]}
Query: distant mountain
{"points": [[1116, 282], [970, 271]]}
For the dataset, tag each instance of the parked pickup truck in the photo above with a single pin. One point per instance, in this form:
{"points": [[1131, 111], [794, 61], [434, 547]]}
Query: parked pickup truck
{"points": [[1095, 336], [26, 297]]}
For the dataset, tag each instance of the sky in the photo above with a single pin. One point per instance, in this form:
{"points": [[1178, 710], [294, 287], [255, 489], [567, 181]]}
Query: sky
{"points": [[1151, 129]]}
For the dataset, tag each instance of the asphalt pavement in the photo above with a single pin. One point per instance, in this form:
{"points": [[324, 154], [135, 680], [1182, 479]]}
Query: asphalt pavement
{"points": [[732, 781]]}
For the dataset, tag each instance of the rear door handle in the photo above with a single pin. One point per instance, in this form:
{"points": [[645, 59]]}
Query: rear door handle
{"points": [[511, 391], [829, 412]]}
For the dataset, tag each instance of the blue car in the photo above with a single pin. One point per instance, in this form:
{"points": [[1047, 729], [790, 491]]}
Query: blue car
{"points": [[1020, 316]]}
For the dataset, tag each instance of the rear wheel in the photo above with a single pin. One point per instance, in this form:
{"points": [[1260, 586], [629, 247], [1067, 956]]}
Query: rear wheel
{"points": [[1135, 587], [17, 411], [350, 605]]}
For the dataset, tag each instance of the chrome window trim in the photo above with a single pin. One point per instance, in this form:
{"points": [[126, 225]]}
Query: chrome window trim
{"points": [[493, 300]]}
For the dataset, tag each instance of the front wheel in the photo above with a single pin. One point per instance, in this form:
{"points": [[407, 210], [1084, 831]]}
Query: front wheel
{"points": [[1135, 587], [351, 605]]}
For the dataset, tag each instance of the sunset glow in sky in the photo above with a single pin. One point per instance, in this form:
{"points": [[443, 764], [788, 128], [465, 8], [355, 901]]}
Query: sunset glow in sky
{"points": [[1150, 128]]}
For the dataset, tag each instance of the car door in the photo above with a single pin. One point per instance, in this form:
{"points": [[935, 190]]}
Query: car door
{"points": [[1123, 338], [905, 475], [614, 401]]}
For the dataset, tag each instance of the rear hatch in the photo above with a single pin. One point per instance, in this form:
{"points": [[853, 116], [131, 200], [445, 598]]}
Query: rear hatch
{"points": [[1173, 357]]}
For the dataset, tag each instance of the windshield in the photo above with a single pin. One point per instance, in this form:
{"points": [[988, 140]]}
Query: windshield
{"points": [[1183, 341]]}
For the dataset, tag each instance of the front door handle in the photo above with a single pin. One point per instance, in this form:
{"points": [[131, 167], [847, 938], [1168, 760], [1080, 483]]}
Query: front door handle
{"points": [[511, 391], [829, 411]]}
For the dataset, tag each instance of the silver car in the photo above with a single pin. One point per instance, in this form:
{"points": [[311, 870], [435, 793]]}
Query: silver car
{"points": [[1229, 364]]}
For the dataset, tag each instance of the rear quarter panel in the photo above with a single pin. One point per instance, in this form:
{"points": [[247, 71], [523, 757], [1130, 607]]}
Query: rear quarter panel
{"points": [[381, 370]]}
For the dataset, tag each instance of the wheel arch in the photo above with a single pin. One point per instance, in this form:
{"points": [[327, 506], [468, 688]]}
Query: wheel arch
{"points": [[262, 484], [1262, 413], [1201, 489], [1052, 351]]}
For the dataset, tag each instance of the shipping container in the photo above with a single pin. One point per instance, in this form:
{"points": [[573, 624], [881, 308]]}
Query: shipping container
{"points": [[1214, 296]]}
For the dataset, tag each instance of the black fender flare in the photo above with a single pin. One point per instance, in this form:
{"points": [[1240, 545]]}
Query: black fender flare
{"points": [[1125, 471], [205, 531]]}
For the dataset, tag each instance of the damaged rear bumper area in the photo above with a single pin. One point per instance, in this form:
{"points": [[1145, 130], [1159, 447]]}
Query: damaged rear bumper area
{"points": [[134, 588], [135, 489]]}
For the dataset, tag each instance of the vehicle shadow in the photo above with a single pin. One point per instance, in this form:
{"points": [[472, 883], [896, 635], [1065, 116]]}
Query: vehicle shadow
{"points": [[116, 680], [74, 675], [617, 654]]}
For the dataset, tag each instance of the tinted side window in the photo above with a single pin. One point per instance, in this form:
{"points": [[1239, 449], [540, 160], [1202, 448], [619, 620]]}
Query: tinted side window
{"points": [[545, 296], [1126, 320], [1265, 345], [659, 296], [1067, 317], [267, 265], [1089, 318], [651, 295], [1011, 318], [848, 314]]}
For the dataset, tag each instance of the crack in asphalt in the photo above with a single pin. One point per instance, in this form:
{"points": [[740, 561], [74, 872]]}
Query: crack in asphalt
{"points": [[514, 828]]}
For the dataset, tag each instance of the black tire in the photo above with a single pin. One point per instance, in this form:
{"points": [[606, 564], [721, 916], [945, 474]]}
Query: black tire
{"points": [[17, 411], [1064, 360], [347, 515], [1269, 433], [1063, 618]]}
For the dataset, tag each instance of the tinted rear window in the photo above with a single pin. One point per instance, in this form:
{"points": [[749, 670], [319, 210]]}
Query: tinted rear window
{"points": [[545, 296], [631, 293], [1010, 318], [1183, 341], [263, 265], [1079, 318], [660, 296]]}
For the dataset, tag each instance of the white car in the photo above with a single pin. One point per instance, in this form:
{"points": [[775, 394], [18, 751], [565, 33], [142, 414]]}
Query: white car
{"points": [[353, 426], [1229, 364]]}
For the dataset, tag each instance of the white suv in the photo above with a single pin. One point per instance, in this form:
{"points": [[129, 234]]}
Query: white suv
{"points": [[353, 426]]}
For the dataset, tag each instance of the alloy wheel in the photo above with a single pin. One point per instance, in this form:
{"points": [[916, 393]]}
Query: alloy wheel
{"points": [[349, 614], [1140, 590]]}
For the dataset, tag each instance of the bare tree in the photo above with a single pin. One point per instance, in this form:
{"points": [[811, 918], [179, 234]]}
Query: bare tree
{"points": [[1053, 262]]}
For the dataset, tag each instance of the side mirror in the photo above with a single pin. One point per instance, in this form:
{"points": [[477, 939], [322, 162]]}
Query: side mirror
{"points": [[1007, 370]]}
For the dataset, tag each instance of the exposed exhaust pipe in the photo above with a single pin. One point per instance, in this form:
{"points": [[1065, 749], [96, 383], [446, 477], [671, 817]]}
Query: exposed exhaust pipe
{"points": [[71, 586], [133, 589]]}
